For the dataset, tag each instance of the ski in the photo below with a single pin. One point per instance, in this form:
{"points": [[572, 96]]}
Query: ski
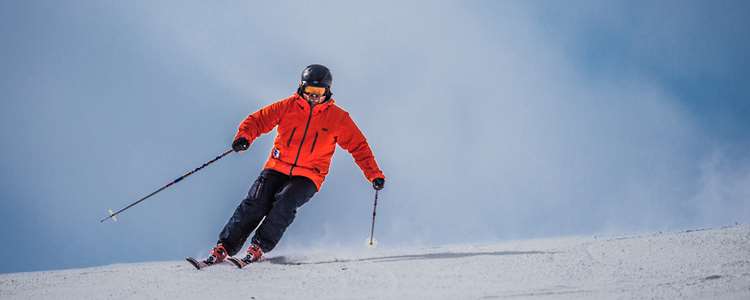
{"points": [[198, 264], [239, 263]]}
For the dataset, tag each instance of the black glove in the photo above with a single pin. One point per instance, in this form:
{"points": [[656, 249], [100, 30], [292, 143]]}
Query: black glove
{"points": [[240, 144], [378, 183]]}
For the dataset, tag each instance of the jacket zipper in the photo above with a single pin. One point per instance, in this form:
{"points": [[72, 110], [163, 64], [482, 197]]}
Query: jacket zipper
{"points": [[302, 142], [290, 137], [314, 140]]}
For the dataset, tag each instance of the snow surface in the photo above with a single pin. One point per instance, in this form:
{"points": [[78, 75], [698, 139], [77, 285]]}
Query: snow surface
{"points": [[697, 264]]}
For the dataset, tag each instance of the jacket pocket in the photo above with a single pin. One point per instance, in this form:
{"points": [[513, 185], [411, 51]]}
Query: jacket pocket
{"points": [[289, 141], [313, 144]]}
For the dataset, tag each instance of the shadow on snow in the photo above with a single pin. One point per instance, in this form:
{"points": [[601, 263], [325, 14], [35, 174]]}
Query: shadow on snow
{"points": [[283, 260]]}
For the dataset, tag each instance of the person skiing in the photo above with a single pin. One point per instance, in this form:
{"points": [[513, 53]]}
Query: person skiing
{"points": [[310, 125]]}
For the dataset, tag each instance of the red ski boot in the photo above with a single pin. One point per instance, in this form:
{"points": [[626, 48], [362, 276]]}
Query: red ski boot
{"points": [[254, 253], [217, 254]]}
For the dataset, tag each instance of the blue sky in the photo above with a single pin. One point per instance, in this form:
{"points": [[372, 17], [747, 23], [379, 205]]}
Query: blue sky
{"points": [[492, 121]]}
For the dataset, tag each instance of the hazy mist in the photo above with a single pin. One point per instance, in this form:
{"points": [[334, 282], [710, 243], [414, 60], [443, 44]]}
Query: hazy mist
{"points": [[491, 121]]}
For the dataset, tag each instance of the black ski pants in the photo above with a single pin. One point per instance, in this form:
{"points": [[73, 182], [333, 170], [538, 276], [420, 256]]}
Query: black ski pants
{"points": [[275, 196]]}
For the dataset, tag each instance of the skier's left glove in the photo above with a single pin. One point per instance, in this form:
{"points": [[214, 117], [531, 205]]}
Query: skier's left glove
{"points": [[378, 183], [240, 144]]}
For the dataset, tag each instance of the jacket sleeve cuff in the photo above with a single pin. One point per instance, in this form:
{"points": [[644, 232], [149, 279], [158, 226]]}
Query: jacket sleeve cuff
{"points": [[375, 176], [240, 135]]}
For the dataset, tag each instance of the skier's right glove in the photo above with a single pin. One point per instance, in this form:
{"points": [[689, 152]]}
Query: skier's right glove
{"points": [[378, 183], [240, 144]]}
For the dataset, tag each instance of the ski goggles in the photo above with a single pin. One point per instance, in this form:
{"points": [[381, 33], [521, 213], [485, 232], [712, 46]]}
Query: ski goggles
{"points": [[315, 90]]}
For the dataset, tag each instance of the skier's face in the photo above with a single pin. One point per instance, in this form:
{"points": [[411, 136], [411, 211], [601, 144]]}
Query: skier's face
{"points": [[313, 94], [312, 98]]}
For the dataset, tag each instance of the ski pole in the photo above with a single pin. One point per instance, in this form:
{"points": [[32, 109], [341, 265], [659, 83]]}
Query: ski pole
{"points": [[113, 214], [374, 207]]}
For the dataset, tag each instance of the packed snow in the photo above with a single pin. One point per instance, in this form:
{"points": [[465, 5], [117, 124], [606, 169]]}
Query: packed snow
{"points": [[695, 264]]}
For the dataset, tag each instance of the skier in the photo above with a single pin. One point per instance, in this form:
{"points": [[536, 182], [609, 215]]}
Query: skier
{"points": [[310, 124]]}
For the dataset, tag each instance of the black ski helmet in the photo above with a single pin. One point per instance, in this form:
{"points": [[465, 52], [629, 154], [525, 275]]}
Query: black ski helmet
{"points": [[316, 75]]}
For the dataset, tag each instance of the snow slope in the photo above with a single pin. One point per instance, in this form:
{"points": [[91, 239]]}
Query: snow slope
{"points": [[700, 264]]}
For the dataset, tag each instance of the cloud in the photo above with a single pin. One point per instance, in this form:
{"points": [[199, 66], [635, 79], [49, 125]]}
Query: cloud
{"points": [[485, 122]]}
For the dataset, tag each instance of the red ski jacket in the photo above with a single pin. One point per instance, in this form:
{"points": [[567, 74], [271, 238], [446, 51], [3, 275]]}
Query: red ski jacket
{"points": [[307, 138]]}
